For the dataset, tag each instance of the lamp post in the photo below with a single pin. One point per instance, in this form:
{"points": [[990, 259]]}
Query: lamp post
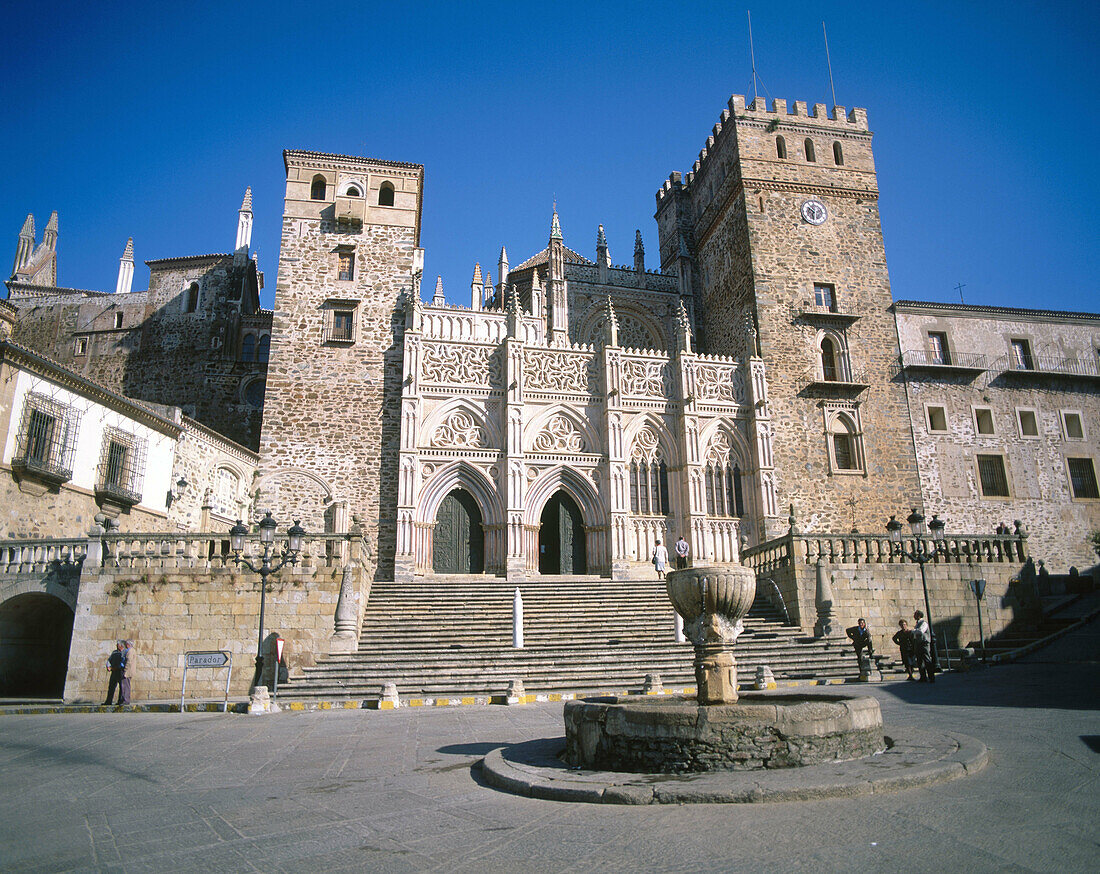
{"points": [[289, 555], [919, 553]]}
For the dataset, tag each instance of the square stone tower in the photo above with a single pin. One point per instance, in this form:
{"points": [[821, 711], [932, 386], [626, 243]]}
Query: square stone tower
{"points": [[350, 249], [776, 234]]}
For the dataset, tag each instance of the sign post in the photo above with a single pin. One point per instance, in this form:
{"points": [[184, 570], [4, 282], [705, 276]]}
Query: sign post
{"points": [[215, 659], [978, 588]]}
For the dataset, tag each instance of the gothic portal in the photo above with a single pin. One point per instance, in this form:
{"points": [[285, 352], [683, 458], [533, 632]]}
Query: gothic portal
{"points": [[561, 537], [459, 543]]}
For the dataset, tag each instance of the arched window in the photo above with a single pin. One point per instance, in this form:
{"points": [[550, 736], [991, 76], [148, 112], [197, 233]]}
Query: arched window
{"points": [[722, 478], [254, 394], [810, 154], [830, 372], [192, 302], [385, 194], [264, 349], [780, 147], [226, 484], [844, 444], [648, 476], [838, 155], [319, 188], [353, 191], [248, 347]]}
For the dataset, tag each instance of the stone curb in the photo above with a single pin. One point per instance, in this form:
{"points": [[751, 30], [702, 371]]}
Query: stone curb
{"points": [[916, 758], [289, 705]]}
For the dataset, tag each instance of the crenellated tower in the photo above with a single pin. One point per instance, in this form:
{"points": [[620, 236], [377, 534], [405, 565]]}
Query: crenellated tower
{"points": [[776, 236]]}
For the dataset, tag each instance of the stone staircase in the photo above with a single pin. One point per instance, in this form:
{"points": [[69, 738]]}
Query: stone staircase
{"points": [[452, 636]]}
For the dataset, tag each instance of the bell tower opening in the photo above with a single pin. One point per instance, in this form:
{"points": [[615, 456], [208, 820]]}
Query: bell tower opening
{"points": [[561, 537], [458, 543]]}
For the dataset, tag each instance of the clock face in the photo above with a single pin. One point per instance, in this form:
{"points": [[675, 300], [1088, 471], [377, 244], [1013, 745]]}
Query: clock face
{"points": [[813, 211]]}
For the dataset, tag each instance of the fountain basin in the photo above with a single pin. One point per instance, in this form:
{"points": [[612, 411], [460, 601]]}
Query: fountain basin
{"points": [[679, 735]]}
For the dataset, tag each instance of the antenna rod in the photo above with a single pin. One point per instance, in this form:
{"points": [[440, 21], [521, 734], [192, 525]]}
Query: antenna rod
{"points": [[752, 54], [829, 61]]}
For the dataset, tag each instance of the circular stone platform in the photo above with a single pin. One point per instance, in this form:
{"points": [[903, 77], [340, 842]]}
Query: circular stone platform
{"points": [[762, 730], [913, 758]]}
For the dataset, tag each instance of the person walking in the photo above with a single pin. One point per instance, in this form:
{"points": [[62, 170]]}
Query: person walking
{"points": [[114, 665], [903, 638], [860, 635], [682, 549], [922, 648], [660, 559], [129, 657]]}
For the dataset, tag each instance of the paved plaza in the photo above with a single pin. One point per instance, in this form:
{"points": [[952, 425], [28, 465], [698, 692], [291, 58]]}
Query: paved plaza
{"points": [[399, 791]]}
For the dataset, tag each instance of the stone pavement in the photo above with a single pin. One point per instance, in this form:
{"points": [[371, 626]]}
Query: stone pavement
{"points": [[397, 791]]}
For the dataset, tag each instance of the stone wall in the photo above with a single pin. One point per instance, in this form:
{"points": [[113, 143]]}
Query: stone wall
{"points": [[183, 600], [200, 455]]}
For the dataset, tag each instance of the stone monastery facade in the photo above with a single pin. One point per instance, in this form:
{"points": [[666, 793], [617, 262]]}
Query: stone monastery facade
{"points": [[576, 412]]}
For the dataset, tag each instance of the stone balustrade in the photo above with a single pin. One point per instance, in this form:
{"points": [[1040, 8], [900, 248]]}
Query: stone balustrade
{"points": [[207, 551], [41, 555]]}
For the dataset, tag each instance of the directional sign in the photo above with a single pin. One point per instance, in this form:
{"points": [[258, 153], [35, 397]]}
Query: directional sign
{"points": [[207, 659]]}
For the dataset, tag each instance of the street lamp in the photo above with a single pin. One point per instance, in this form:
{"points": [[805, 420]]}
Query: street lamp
{"points": [[919, 551], [289, 555]]}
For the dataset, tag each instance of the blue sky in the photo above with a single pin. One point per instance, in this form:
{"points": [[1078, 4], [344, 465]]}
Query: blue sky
{"points": [[148, 120]]}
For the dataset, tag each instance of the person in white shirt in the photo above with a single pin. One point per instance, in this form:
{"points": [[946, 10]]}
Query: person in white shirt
{"points": [[660, 560]]}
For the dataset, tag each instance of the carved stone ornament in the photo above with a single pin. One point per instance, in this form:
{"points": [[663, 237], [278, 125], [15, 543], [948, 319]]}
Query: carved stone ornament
{"points": [[714, 382], [646, 379], [559, 371], [632, 333], [559, 435], [646, 445], [718, 452], [453, 364], [459, 429]]}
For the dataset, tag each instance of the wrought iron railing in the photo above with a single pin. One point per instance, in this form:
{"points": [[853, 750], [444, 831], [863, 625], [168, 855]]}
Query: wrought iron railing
{"points": [[961, 360]]}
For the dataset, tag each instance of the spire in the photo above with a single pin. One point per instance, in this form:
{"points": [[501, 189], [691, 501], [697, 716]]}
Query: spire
{"points": [[502, 270], [555, 225], [683, 328], [126, 269], [477, 273], [512, 310], [25, 247], [244, 228], [28, 227], [610, 325], [476, 290], [49, 235], [603, 257], [639, 253], [437, 299], [601, 240]]}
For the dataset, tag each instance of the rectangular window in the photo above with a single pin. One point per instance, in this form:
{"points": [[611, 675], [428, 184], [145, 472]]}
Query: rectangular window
{"points": [[121, 466], [937, 348], [994, 481], [1021, 355], [843, 452], [47, 438], [937, 419], [1082, 478], [81, 345], [1072, 425], [342, 325], [346, 265], [983, 420], [825, 297], [1029, 423], [118, 320], [116, 464]]}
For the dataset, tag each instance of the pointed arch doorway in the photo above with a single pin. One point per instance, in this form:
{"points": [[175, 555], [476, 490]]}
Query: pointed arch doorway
{"points": [[458, 543], [561, 537]]}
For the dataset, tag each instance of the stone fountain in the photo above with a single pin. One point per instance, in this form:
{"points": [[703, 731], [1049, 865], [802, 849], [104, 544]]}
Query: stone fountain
{"points": [[716, 730]]}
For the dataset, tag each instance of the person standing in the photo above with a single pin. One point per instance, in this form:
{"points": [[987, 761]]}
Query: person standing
{"points": [[129, 657], [860, 635], [682, 549], [660, 560], [922, 648], [114, 665], [904, 640]]}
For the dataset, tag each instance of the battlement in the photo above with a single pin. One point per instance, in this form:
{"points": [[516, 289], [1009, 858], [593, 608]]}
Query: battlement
{"points": [[840, 121]]}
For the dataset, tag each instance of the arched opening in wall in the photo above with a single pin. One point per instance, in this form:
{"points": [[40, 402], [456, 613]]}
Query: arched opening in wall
{"points": [[353, 191], [248, 347], [561, 537], [844, 444], [254, 394], [831, 365], [192, 302], [780, 147], [35, 632], [458, 542], [319, 188], [263, 350], [838, 155], [385, 194], [810, 154]]}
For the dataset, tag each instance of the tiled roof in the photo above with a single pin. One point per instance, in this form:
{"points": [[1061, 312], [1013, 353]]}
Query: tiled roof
{"points": [[963, 309], [544, 256], [301, 153]]}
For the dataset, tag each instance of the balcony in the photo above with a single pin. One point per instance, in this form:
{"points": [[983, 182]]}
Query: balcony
{"points": [[962, 363], [48, 472], [350, 210], [828, 317], [1043, 366], [845, 381], [113, 496]]}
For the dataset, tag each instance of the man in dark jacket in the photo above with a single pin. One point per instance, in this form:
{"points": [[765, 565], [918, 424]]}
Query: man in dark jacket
{"points": [[861, 639], [115, 664], [904, 640]]}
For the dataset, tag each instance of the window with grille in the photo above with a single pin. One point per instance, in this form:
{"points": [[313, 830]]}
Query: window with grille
{"points": [[1082, 478], [47, 438], [342, 325], [121, 466], [991, 472], [339, 325]]}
